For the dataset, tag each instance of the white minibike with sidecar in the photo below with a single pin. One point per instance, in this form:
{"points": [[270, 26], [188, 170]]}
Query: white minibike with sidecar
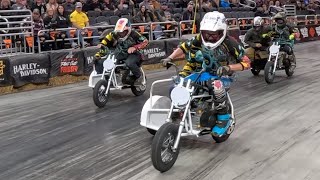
{"points": [[113, 77], [191, 110]]}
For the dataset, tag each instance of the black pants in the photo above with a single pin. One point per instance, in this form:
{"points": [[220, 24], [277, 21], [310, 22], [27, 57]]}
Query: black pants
{"points": [[132, 61]]}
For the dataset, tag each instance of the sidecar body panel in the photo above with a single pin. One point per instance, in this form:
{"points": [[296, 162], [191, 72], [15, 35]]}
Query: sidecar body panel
{"points": [[94, 78], [154, 115]]}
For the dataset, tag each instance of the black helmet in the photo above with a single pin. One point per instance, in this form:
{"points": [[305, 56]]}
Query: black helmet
{"points": [[280, 19]]}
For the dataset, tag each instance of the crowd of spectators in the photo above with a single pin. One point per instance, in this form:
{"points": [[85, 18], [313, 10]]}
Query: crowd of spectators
{"points": [[52, 14]]}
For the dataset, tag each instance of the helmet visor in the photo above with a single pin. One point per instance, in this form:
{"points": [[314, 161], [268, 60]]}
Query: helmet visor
{"points": [[279, 21], [123, 33], [212, 36]]}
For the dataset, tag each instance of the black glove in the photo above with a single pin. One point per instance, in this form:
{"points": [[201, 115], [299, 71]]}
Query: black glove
{"points": [[165, 61], [224, 70]]}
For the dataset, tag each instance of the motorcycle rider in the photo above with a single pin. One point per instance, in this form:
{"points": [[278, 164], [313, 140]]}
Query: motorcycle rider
{"points": [[128, 43], [285, 32], [255, 40], [213, 39]]}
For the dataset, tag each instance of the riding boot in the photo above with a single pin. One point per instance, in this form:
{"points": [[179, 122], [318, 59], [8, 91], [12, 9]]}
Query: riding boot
{"points": [[222, 108]]}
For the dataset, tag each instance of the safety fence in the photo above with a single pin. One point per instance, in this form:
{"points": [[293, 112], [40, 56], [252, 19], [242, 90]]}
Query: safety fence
{"points": [[16, 32], [39, 68], [171, 29]]}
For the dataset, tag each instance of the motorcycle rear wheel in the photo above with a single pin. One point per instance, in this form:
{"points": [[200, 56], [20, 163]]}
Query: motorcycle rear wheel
{"points": [[290, 69], [139, 90], [162, 156], [255, 72]]}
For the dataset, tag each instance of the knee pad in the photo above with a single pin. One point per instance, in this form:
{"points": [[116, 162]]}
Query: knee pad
{"points": [[287, 49]]}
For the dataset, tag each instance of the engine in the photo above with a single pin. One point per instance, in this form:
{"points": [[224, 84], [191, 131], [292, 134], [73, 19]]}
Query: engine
{"points": [[203, 114]]}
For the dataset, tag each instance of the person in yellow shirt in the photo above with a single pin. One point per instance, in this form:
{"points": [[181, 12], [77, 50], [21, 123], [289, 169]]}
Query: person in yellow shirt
{"points": [[80, 20]]}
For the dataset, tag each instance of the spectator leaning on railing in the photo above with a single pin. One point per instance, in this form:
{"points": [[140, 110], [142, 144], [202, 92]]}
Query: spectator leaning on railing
{"points": [[80, 20]]}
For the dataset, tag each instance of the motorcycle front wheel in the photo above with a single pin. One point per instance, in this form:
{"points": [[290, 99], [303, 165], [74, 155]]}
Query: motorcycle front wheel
{"points": [[268, 72], [100, 97], [162, 155]]}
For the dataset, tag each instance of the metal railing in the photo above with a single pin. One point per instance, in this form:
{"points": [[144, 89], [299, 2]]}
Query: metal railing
{"points": [[88, 32], [182, 26], [53, 35], [16, 32], [21, 27], [166, 29], [142, 28]]}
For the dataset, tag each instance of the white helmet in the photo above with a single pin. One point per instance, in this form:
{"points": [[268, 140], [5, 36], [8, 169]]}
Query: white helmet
{"points": [[257, 21], [213, 29], [123, 28]]}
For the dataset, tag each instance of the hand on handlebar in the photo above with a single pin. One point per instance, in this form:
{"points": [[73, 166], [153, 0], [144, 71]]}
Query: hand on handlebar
{"points": [[258, 45], [223, 70], [165, 61], [131, 50]]}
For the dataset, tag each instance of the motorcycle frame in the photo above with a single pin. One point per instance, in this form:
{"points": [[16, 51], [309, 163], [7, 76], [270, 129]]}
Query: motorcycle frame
{"points": [[276, 55], [113, 78], [188, 125]]}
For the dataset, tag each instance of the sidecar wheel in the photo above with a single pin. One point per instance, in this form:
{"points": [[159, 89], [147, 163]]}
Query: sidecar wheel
{"points": [[139, 90], [268, 72], [100, 99], [255, 71], [290, 69], [162, 155], [151, 131]]}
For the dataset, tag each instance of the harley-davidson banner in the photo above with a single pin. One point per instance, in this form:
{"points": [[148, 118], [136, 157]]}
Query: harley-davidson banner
{"points": [[5, 79], [29, 69]]}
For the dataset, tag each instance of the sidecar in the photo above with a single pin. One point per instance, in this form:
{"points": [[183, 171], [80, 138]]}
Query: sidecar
{"points": [[155, 110], [94, 78]]}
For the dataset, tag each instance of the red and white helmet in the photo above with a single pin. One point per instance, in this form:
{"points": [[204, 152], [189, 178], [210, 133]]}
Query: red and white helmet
{"points": [[123, 28], [213, 28]]}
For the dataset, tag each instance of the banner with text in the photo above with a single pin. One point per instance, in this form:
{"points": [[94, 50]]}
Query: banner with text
{"points": [[29, 69], [66, 62], [88, 59], [5, 79], [154, 52]]}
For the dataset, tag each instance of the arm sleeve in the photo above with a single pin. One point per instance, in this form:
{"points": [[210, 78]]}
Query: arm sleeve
{"points": [[141, 41], [189, 45], [247, 39], [237, 51], [108, 40]]}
